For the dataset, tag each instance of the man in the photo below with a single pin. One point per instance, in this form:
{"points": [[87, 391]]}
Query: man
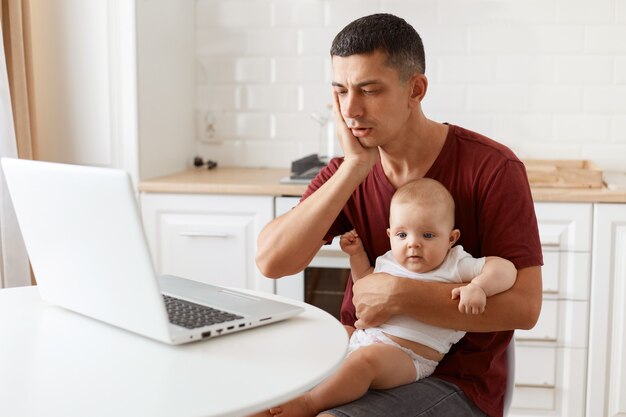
{"points": [[378, 86]]}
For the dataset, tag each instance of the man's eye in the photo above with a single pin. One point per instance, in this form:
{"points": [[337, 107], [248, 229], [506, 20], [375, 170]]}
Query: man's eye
{"points": [[341, 92], [428, 235], [369, 92], [401, 235]]}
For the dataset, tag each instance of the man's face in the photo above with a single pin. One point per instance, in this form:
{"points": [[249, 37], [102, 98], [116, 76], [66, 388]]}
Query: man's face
{"points": [[374, 102]]}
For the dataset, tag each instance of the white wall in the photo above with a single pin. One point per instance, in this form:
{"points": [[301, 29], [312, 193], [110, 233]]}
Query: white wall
{"points": [[545, 77]]}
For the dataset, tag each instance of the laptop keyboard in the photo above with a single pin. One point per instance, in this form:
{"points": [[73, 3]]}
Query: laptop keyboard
{"points": [[190, 315]]}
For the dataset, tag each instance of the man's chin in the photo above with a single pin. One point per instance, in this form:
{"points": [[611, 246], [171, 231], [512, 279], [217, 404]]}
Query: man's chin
{"points": [[367, 142]]}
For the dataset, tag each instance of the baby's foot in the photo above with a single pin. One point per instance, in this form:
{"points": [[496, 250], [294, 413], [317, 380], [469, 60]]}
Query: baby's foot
{"points": [[299, 407]]}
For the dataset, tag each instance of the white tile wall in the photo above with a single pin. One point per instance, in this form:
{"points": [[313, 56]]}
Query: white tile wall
{"points": [[545, 77]]}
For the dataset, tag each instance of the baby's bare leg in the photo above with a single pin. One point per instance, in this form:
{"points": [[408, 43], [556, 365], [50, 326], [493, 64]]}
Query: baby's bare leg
{"points": [[377, 366]]}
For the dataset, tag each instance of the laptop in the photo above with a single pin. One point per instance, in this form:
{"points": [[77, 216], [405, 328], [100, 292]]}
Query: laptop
{"points": [[84, 236]]}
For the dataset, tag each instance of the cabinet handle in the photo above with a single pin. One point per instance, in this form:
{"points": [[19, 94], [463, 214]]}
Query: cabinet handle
{"points": [[551, 244], [535, 339], [544, 385], [205, 234]]}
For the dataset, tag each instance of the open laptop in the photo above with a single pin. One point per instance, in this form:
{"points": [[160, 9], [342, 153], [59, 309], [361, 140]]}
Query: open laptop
{"points": [[84, 236]]}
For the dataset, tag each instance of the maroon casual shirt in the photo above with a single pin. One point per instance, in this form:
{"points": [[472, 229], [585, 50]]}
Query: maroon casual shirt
{"points": [[496, 217]]}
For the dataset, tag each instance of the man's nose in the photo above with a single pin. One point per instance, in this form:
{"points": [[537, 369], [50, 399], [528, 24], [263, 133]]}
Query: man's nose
{"points": [[351, 107]]}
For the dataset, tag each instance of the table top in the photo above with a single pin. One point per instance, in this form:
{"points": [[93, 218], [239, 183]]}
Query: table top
{"points": [[57, 363]]}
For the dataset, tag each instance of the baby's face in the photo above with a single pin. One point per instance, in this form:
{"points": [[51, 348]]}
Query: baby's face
{"points": [[420, 236]]}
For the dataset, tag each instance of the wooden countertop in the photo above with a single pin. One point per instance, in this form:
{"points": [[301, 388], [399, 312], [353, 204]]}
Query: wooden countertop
{"points": [[225, 180], [267, 181]]}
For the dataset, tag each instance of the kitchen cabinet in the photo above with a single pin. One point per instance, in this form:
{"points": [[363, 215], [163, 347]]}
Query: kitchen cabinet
{"points": [[207, 238], [606, 386], [551, 358], [112, 107]]}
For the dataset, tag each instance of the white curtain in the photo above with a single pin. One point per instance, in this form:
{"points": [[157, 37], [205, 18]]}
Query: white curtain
{"points": [[14, 266]]}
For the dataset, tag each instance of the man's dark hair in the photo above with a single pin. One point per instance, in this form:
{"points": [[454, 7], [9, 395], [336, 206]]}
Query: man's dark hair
{"points": [[387, 33]]}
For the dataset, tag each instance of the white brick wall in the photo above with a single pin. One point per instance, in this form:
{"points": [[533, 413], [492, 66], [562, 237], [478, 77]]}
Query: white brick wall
{"points": [[545, 77]]}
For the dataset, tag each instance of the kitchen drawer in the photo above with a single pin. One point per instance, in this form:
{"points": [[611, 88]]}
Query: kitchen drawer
{"points": [[563, 323], [566, 274], [564, 226], [533, 398], [549, 382], [535, 366], [546, 328], [208, 238], [206, 248]]}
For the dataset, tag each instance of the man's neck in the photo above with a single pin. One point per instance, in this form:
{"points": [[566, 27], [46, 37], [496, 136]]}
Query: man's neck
{"points": [[410, 157]]}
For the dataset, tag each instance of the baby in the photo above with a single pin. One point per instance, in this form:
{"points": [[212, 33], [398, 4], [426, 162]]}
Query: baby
{"points": [[404, 350]]}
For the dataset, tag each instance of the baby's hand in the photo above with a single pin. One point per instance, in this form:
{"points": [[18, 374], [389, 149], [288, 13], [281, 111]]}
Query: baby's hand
{"points": [[472, 298], [350, 242]]}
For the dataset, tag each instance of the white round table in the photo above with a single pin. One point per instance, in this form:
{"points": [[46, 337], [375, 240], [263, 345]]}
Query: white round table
{"points": [[57, 363]]}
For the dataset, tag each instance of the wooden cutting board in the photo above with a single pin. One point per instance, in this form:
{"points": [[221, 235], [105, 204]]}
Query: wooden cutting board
{"points": [[575, 173]]}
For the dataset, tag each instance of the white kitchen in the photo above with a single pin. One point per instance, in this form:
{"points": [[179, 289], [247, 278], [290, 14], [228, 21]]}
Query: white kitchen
{"points": [[243, 87]]}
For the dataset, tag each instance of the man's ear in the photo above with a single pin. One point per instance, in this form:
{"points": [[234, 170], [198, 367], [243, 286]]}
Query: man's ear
{"points": [[388, 232], [454, 236], [418, 84]]}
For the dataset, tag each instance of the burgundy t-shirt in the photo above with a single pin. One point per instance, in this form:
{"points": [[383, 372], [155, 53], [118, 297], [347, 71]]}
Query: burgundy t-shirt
{"points": [[496, 217]]}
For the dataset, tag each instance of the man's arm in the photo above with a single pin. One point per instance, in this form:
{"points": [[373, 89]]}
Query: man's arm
{"points": [[379, 296], [288, 243]]}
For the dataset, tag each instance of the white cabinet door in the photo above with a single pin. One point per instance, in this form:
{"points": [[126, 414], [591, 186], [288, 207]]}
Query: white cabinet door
{"points": [[606, 388], [291, 286], [207, 238], [551, 361]]}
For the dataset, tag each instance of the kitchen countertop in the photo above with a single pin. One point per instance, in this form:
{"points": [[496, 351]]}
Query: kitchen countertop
{"points": [[225, 180], [267, 181]]}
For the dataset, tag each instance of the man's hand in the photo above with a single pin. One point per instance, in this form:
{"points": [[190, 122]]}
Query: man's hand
{"points": [[353, 151], [373, 299], [472, 298]]}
